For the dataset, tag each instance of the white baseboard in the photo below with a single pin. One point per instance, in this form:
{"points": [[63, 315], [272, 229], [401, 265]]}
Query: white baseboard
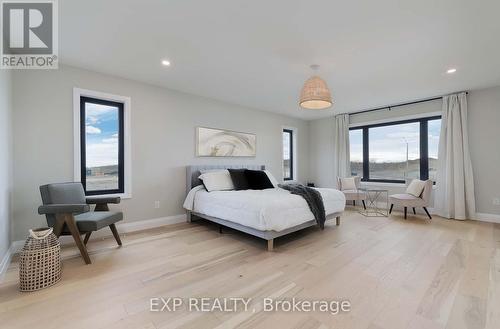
{"points": [[126, 227], [140, 225], [480, 216], [5, 263], [129, 227], [157, 222], [6, 260], [490, 218]]}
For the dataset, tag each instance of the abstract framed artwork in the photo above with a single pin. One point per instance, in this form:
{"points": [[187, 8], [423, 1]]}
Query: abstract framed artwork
{"points": [[212, 142]]}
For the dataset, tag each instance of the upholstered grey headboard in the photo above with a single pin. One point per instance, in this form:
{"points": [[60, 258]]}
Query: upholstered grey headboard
{"points": [[193, 172]]}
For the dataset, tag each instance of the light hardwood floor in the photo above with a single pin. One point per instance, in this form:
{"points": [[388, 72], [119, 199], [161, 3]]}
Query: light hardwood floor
{"points": [[396, 274]]}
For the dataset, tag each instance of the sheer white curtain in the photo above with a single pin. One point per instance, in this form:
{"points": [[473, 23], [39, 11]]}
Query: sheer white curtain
{"points": [[341, 161], [454, 184]]}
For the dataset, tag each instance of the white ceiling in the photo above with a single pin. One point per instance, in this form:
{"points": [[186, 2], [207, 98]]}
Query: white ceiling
{"points": [[257, 53]]}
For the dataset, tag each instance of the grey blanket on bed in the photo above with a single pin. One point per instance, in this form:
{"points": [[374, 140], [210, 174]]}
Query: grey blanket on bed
{"points": [[313, 199]]}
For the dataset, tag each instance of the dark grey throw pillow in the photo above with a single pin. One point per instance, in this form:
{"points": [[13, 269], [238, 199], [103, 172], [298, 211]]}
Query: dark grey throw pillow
{"points": [[258, 180], [239, 179]]}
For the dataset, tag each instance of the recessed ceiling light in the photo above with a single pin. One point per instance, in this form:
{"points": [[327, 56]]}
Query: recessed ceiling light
{"points": [[450, 71], [165, 62]]}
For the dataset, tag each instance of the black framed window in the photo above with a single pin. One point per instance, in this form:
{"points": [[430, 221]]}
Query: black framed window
{"points": [[101, 146], [395, 151], [288, 156]]}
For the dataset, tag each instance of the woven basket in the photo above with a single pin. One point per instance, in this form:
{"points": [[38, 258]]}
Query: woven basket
{"points": [[40, 261]]}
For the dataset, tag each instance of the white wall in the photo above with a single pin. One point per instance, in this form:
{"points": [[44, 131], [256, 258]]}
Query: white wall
{"points": [[321, 146], [484, 136], [163, 139], [5, 160], [484, 139]]}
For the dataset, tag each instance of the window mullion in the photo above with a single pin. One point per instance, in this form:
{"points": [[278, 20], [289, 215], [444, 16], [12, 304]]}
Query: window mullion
{"points": [[290, 135], [366, 155], [121, 149], [424, 150], [83, 145]]}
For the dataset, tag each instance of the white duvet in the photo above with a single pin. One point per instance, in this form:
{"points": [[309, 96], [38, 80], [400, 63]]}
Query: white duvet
{"points": [[271, 209]]}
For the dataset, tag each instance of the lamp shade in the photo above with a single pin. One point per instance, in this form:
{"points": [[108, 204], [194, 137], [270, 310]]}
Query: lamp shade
{"points": [[315, 94]]}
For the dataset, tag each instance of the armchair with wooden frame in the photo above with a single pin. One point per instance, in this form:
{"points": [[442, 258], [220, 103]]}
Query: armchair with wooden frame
{"points": [[67, 211]]}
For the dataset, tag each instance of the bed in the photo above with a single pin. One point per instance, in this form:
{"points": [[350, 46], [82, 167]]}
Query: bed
{"points": [[266, 214]]}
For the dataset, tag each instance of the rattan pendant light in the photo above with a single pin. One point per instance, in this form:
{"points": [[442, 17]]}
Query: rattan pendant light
{"points": [[315, 94]]}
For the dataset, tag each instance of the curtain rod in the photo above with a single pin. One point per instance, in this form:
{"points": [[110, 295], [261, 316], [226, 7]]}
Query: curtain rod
{"points": [[389, 107]]}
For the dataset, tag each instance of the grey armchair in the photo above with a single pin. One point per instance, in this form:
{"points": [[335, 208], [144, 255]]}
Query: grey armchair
{"points": [[68, 212]]}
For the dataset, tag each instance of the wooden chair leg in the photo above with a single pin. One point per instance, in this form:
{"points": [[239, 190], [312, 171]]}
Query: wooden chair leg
{"points": [[427, 212], [364, 205], [73, 228], [59, 225], [337, 220], [87, 237], [405, 212], [115, 234], [414, 212], [270, 245], [390, 210]]}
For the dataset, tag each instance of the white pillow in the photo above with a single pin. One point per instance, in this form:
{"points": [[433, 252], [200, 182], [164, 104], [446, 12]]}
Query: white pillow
{"points": [[416, 187], [273, 180], [348, 183], [217, 181]]}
